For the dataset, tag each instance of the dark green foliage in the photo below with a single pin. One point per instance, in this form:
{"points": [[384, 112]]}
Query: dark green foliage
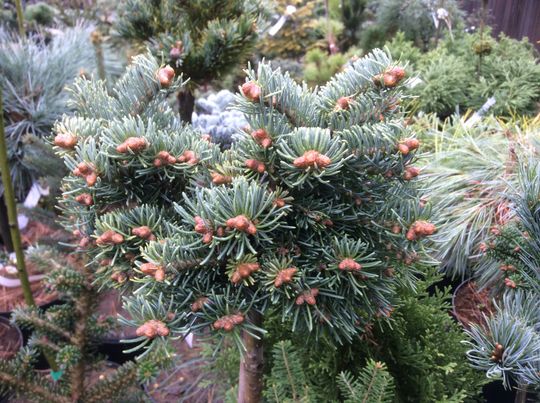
{"points": [[215, 35], [352, 17], [421, 348], [423, 351], [413, 17], [464, 72], [288, 380], [373, 385]]}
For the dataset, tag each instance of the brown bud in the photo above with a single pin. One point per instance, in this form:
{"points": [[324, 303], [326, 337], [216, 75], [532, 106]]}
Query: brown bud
{"points": [[84, 199], [343, 103], [165, 76], [65, 140], [251, 91]]}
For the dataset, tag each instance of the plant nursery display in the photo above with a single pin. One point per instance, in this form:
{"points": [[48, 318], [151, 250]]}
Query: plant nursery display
{"points": [[282, 201], [421, 21], [465, 71]]}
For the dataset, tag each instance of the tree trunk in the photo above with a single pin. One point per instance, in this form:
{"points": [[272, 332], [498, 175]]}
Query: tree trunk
{"points": [[250, 384], [4, 226], [186, 104]]}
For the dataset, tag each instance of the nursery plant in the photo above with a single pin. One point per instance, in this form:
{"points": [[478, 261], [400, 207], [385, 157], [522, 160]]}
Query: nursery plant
{"points": [[34, 72], [508, 346], [464, 71], [69, 333], [319, 66], [420, 348], [422, 21], [64, 333], [469, 176], [204, 40], [313, 214]]}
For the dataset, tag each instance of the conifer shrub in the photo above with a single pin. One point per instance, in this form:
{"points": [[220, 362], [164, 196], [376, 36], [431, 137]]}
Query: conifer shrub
{"points": [[319, 66], [68, 334], [415, 18], [34, 74], [461, 73], [313, 214], [204, 40], [421, 349], [507, 347]]}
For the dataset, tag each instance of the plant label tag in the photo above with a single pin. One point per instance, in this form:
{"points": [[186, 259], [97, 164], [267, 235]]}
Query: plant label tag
{"points": [[56, 375]]}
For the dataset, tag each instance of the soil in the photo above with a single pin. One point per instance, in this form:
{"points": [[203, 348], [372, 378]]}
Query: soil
{"points": [[181, 383], [34, 233], [38, 233], [12, 297], [11, 340], [471, 304], [110, 305]]}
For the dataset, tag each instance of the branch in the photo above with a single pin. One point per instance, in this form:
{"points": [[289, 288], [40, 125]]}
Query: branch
{"points": [[32, 389]]}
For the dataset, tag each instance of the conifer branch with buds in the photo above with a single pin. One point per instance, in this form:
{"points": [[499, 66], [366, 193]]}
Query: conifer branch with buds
{"points": [[313, 214]]}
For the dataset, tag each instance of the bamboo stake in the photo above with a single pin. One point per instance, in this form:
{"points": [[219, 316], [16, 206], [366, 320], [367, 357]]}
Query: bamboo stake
{"points": [[20, 18]]}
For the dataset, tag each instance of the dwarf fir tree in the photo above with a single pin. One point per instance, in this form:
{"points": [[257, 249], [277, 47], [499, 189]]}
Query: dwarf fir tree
{"points": [[312, 215], [204, 40]]}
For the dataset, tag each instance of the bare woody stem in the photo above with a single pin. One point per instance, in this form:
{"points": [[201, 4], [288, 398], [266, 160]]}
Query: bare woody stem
{"points": [[84, 311], [250, 384]]}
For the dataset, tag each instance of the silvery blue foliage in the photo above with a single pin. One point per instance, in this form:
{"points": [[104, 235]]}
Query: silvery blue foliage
{"points": [[35, 73], [214, 117]]}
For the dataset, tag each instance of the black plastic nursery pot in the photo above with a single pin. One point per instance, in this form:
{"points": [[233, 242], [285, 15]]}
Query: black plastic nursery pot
{"points": [[444, 283], [110, 306], [114, 349], [494, 392]]}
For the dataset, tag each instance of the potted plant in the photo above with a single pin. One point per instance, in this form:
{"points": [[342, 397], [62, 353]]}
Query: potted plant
{"points": [[110, 308]]}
